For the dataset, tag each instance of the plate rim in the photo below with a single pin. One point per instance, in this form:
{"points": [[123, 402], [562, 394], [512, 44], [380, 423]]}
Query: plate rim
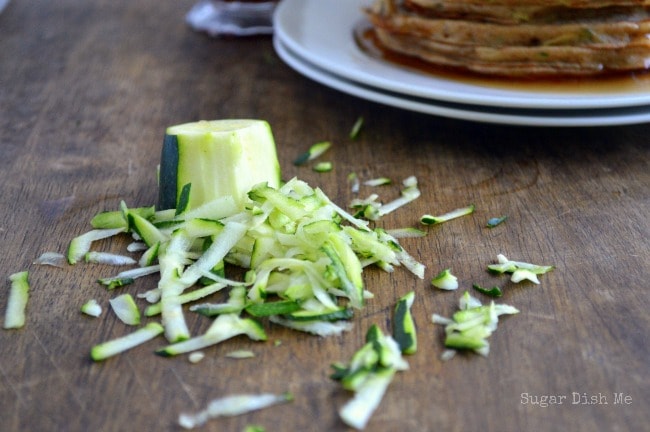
{"points": [[456, 111]]}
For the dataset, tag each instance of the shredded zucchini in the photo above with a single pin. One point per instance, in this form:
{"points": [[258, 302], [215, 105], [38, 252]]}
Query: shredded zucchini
{"points": [[53, 259], [404, 330], [232, 406], [520, 270], [325, 166], [313, 152], [445, 280], [108, 258], [18, 297], [495, 291], [428, 219], [368, 375], [470, 327], [379, 181], [356, 128], [226, 326], [91, 308], [81, 245], [125, 308], [116, 346], [240, 354], [305, 256], [353, 179]]}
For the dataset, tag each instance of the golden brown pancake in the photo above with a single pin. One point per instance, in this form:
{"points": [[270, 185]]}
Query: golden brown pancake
{"points": [[587, 44]]}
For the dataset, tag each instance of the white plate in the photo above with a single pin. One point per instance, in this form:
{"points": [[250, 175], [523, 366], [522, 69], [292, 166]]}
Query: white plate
{"points": [[321, 32], [604, 117]]}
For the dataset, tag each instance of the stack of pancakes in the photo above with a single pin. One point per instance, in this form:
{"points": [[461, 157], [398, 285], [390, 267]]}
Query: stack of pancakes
{"points": [[518, 38]]}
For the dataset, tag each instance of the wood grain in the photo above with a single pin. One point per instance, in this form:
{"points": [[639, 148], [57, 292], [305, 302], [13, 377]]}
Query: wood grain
{"points": [[87, 90]]}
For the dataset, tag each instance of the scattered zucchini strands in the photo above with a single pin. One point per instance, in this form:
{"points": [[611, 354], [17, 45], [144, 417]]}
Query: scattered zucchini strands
{"points": [[304, 257], [371, 208], [520, 270], [368, 375], [410, 192], [470, 327]]}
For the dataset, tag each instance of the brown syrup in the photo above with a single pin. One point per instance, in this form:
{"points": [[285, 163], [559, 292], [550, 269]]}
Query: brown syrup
{"points": [[607, 83]]}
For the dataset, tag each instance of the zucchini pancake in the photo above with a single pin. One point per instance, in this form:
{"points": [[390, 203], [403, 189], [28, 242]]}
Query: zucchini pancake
{"points": [[523, 38]]}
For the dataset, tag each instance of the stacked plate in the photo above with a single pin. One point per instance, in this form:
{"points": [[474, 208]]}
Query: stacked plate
{"points": [[317, 39]]}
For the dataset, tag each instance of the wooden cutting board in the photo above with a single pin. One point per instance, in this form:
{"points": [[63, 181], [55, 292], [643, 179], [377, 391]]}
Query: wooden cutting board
{"points": [[87, 91]]}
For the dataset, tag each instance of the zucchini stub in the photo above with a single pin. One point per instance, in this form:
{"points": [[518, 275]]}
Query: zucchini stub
{"points": [[206, 160]]}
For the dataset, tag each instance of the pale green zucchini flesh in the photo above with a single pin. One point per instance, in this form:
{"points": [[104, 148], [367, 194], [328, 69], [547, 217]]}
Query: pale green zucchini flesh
{"points": [[216, 158]]}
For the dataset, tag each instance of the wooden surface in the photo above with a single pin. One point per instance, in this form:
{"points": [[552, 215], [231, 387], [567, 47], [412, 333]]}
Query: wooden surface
{"points": [[86, 92]]}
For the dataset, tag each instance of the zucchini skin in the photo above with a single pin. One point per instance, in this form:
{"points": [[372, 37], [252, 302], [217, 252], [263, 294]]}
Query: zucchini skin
{"points": [[168, 178]]}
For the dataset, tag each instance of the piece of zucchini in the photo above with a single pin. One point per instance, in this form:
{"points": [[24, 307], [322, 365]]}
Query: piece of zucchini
{"points": [[520, 270], [18, 296], [81, 244], [235, 304], [217, 158], [471, 326], [281, 307], [115, 346], [428, 219], [187, 297], [313, 152], [91, 308], [445, 280], [347, 268], [368, 375], [404, 331], [125, 308], [356, 128], [233, 405], [226, 326]]}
